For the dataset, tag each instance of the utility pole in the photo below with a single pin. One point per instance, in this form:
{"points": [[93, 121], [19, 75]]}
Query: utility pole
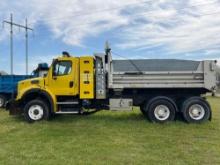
{"points": [[11, 41], [11, 23], [26, 48]]}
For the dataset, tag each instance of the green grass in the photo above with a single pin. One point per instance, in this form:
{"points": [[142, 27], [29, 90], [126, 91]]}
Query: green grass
{"points": [[109, 138]]}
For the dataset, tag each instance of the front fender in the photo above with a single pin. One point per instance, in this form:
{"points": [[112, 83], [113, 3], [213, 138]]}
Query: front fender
{"points": [[41, 92]]}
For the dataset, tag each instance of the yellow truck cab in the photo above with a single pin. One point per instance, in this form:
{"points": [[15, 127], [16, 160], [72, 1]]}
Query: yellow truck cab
{"points": [[68, 79], [78, 85]]}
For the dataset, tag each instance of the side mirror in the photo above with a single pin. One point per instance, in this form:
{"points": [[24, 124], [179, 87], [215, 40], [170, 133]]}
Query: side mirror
{"points": [[54, 76], [55, 61]]}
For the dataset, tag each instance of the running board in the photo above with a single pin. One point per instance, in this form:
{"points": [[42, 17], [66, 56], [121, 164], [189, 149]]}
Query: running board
{"points": [[74, 112], [68, 103]]}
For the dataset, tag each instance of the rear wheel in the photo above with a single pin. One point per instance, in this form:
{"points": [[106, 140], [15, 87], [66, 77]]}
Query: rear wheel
{"points": [[160, 110], [36, 110], [2, 101], [196, 110], [142, 109]]}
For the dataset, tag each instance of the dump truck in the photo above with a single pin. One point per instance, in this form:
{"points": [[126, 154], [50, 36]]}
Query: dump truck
{"points": [[8, 83], [162, 88]]}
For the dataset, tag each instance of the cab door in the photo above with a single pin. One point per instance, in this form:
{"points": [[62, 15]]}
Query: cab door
{"points": [[62, 82]]}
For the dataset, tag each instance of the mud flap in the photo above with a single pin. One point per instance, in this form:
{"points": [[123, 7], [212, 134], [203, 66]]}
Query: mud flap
{"points": [[13, 107]]}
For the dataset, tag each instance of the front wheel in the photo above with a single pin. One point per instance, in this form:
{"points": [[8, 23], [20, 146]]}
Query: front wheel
{"points": [[36, 110]]}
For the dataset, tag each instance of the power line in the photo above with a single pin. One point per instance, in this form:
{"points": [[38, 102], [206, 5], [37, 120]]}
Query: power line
{"points": [[143, 57], [203, 49], [26, 41], [132, 62], [11, 41], [201, 15], [11, 23]]}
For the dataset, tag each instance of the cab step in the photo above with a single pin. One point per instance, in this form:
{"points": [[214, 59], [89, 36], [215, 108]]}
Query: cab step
{"points": [[69, 110], [68, 103], [73, 112]]}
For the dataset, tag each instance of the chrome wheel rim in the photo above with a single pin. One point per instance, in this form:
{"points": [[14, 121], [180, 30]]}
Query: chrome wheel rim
{"points": [[162, 112], [36, 112], [196, 112]]}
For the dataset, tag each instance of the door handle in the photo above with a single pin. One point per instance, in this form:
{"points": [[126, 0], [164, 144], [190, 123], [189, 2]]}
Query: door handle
{"points": [[71, 84]]}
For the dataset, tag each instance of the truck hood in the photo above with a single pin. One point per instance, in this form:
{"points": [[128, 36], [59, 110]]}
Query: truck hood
{"points": [[32, 81], [28, 84]]}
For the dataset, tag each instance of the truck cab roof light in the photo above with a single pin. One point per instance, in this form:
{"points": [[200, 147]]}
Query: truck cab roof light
{"points": [[66, 54]]}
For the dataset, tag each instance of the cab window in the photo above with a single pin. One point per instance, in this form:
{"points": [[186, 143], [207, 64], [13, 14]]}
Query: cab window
{"points": [[62, 68]]}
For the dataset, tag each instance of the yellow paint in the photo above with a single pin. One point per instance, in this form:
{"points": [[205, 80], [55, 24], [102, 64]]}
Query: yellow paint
{"points": [[60, 85], [79, 81], [86, 78]]}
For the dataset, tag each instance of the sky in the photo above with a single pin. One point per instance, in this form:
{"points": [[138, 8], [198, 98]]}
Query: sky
{"points": [[156, 29]]}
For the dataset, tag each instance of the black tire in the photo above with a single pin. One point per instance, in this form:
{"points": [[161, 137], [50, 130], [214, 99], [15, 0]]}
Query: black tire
{"points": [[2, 101], [152, 109], [203, 108], [142, 110], [38, 106]]}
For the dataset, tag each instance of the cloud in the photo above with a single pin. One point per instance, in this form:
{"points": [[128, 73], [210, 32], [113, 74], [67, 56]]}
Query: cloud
{"points": [[179, 29], [174, 26], [70, 20]]}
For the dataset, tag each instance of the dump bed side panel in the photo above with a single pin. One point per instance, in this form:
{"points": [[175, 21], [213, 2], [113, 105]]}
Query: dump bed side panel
{"points": [[162, 74]]}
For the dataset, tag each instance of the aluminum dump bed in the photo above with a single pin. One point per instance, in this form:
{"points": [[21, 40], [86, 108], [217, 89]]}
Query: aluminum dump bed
{"points": [[162, 73]]}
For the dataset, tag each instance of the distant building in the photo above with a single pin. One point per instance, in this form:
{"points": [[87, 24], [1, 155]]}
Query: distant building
{"points": [[3, 73]]}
